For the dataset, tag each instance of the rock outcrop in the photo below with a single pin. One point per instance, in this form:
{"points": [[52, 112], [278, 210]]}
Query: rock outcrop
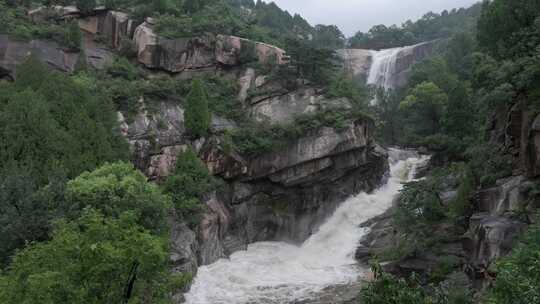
{"points": [[209, 51], [282, 108], [284, 194], [14, 52]]}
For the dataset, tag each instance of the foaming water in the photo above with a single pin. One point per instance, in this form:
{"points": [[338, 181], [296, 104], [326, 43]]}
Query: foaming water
{"points": [[383, 67], [276, 272]]}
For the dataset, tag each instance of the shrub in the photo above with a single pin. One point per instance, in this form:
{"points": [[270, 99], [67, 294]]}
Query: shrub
{"points": [[85, 6], [73, 36], [116, 188], [197, 116], [187, 185]]}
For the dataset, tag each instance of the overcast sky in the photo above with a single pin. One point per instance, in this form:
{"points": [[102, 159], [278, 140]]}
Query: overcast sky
{"points": [[354, 15]]}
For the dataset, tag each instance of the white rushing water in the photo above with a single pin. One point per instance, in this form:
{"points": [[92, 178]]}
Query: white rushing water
{"points": [[276, 272], [383, 68]]}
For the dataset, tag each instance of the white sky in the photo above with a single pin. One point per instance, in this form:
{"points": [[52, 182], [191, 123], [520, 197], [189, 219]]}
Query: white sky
{"points": [[354, 15]]}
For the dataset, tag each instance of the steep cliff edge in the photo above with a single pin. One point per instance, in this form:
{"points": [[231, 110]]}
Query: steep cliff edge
{"points": [[282, 194]]}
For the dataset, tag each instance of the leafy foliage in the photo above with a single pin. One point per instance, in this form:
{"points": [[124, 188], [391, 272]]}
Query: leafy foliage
{"points": [[116, 188], [431, 26], [197, 116], [187, 185], [388, 289], [94, 259]]}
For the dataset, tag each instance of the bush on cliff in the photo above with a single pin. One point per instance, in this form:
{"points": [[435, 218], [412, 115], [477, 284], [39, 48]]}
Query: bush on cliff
{"points": [[73, 36], [187, 185], [197, 116]]}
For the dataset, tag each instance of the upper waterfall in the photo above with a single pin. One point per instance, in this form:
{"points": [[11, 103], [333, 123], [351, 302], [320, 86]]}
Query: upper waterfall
{"points": [[383, 68], [388, 68]]}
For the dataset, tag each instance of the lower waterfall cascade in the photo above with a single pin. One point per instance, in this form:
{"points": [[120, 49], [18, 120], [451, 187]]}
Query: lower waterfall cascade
{"points": [[278, 272]]}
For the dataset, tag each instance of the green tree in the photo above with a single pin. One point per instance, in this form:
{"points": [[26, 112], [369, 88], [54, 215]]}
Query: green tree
{"points": [[116, 188], [73, 36], [501, 27], [31, 73], [425, 104], [85, 6], [94, 259], [25, 210], [187, 185], [50, 121], [328, 36], [197, 116], [387, 289]]}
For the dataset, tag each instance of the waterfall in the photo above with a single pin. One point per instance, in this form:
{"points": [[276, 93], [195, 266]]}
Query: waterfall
{"points": [[277, 272], [383, 68]]}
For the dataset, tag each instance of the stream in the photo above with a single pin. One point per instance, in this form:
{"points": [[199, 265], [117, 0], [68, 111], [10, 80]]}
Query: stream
{"points": [[278, 272]]}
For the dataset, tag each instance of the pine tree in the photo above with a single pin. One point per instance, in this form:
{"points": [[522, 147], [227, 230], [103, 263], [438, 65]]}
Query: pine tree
{"points": [[197, 115]]}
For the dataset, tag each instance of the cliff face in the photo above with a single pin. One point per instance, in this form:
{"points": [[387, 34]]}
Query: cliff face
{"points": [[281, 194]]}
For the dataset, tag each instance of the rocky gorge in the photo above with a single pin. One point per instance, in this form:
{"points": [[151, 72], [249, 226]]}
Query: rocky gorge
{"points": [[285, 194]]}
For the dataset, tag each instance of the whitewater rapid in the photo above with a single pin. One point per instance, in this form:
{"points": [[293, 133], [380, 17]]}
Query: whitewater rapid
{"points": [[277, 272]]}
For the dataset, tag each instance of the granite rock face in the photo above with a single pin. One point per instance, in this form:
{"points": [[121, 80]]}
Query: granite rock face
{"points": [[493, 228], [181, 54], [288, 193], [14, 52], [284, 194], [283, 108]]}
